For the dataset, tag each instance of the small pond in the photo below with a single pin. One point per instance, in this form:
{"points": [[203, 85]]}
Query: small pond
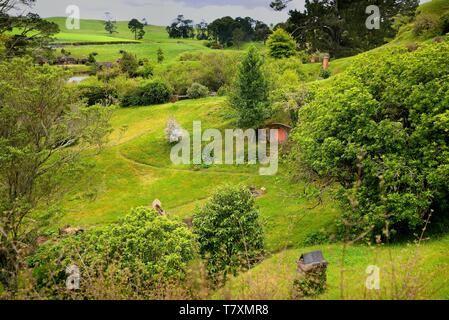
{"points": [[77, 79]]}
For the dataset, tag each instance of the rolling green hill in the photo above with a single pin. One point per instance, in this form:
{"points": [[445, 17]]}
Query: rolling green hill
{"points": [[92, 31], [134, 169]]}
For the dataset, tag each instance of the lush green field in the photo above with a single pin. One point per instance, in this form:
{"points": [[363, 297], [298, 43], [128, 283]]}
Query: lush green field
{"points": [[135, 168]]}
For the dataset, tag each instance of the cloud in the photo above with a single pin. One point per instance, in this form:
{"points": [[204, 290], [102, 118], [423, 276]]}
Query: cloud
{"points": [[162, 12]]}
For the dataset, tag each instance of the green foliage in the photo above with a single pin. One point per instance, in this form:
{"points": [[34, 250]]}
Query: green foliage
{"points": [[312, 284], [325, 73], [445, 23], [181, 28], [149, 249], [97, 92], [229, 232], [286, 77], [427, 24], [228, 31], [249, 96], [197, 90], [381, 131], [137, 28], [129, 64], [146, 70], [40, 118], [339, 27], [213, 70], [21, 34], [281, 44], [148, 93], [110, 26]]}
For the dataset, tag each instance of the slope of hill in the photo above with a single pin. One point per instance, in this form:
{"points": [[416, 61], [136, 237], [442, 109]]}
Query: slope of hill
{"points": [[92, 31], [135, 168], [404, 37]]}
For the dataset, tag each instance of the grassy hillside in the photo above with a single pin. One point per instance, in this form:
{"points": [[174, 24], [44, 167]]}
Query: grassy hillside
{"points": [[406, 35], [93, 31], [135, 168], [406, 272]]}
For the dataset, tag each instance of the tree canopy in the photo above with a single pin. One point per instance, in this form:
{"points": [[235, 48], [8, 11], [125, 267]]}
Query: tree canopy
{"points": [[339, 27]]}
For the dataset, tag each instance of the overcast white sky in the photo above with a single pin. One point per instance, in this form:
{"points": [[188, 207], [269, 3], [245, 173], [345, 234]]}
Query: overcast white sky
{"points": [[162, 12]]}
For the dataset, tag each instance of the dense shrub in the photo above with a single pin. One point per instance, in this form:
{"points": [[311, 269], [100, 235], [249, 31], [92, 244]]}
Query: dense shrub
{"points": [[325, 73], [144, 248], [197, 90], [229, 232], [281, 44], [427, 24], [123, 85], [213, 70], [381, 131], [97, 92], [148, 93]]}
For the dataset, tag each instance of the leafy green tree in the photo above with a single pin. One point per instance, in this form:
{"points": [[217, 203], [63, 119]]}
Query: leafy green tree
{"points": [[31, 35], [261, 31], [160, 56], [249, 96], [281, 44], [380, 130], [339, 27], [238, 37], [137, 28], [197, 90], [181, 28], [229, 232], [201, 31], [129, 64], [222, 30], [149, 93], [40, 118]]}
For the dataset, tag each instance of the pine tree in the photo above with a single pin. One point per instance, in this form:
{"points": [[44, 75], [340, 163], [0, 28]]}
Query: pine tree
{"points": [[249, 95]]}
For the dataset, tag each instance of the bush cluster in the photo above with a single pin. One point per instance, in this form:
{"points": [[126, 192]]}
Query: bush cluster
{"points": [[148, 93], [144, 248], [381, 131]]}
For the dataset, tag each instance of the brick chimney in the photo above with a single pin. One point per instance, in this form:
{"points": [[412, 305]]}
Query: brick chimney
{"points": [[326, 60]]}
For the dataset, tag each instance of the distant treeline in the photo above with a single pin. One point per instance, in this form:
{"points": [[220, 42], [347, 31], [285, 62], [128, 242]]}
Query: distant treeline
{"points": [[225, 31]]}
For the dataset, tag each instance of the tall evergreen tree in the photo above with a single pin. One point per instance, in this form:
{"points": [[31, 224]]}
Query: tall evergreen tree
{"points": [[249, 95]]}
